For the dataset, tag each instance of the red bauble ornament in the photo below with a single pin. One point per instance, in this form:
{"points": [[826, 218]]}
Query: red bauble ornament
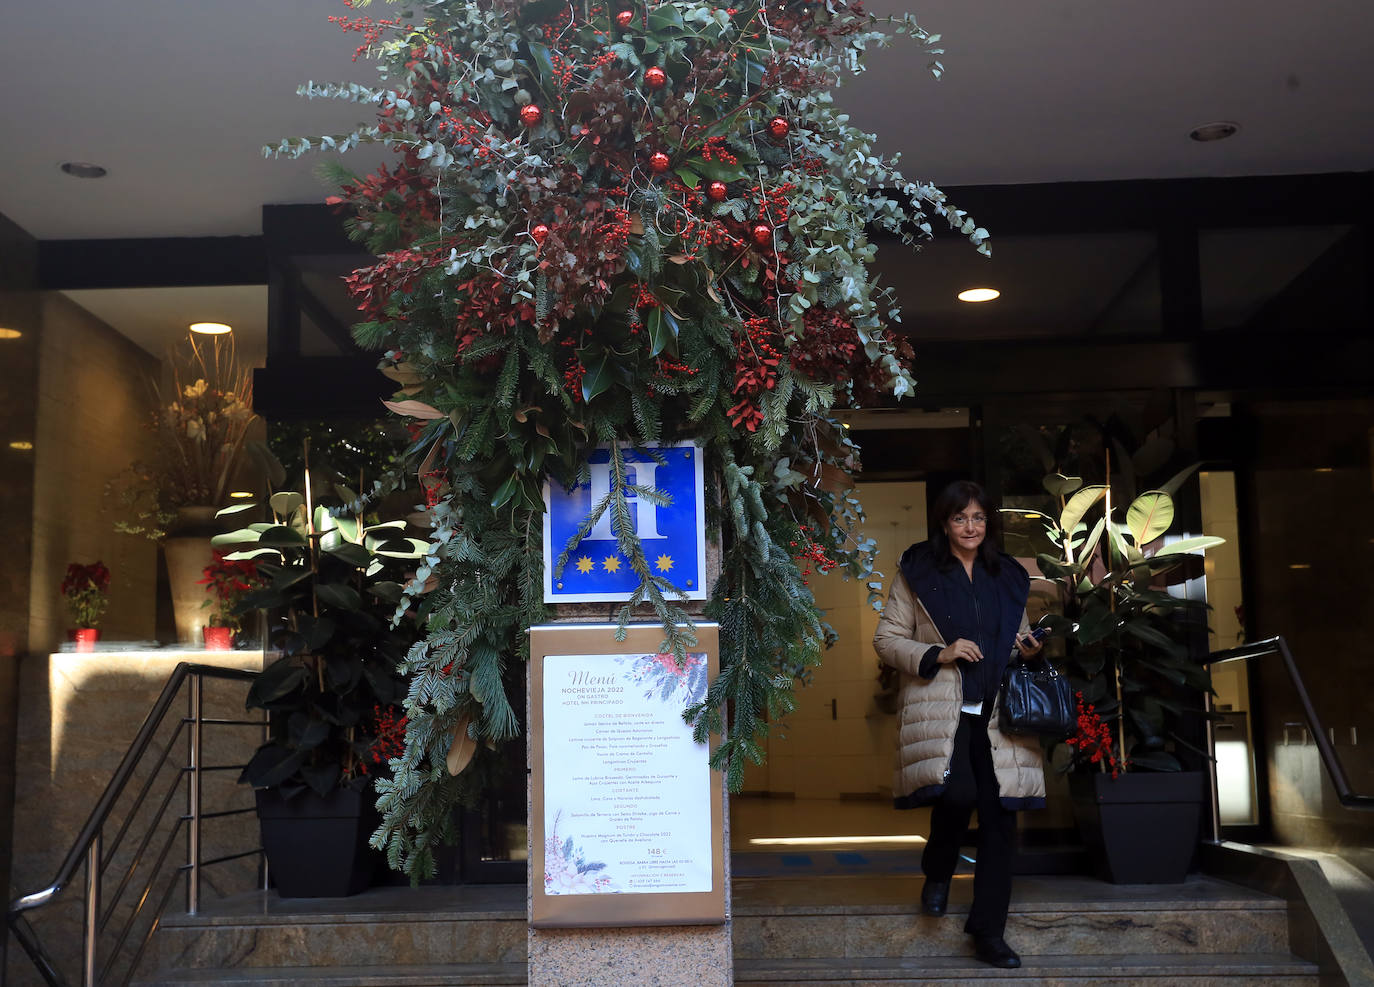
{"points": [[762, 234], [624, 18], [717, 192], [658, 162], [655, 77], [779, 127], [540, 233], [530, 114]]}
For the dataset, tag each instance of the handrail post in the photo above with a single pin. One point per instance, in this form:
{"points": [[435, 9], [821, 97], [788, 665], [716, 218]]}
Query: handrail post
{"points": [[91, 932], [193, 792]]}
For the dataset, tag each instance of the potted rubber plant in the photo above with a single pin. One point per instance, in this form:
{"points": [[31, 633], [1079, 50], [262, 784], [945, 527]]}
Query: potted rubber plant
{"points": [[332, 693], [1136, 682]]}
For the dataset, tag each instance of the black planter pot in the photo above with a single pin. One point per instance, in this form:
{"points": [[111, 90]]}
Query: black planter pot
{"points": [[317, 847], [1142, 827]]}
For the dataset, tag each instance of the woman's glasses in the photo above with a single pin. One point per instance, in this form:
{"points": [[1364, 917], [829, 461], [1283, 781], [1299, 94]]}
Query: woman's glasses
{"points": [[977, 520]]}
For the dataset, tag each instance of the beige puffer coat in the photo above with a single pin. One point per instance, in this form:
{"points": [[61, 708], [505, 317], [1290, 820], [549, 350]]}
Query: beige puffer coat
{"points": [[929, 714]]}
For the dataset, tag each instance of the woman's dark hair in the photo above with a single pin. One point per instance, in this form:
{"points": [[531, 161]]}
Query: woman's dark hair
{"points": [[951, 501]]}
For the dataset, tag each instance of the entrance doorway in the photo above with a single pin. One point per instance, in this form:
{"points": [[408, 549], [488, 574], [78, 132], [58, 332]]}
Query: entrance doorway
{"points": [[826, 785]]}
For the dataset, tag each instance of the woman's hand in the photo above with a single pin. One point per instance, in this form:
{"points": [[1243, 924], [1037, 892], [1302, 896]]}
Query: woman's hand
{"points": [[962, 649], [1029, 646]]}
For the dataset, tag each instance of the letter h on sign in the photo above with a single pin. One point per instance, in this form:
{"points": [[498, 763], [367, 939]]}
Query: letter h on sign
{"points": [[673, 535]]}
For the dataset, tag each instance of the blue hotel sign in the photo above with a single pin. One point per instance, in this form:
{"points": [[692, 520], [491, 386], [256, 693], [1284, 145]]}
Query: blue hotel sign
{"points": [[674, 537]]}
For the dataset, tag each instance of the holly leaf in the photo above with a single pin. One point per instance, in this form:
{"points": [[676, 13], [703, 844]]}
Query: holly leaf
{"points": [[663, 330]]}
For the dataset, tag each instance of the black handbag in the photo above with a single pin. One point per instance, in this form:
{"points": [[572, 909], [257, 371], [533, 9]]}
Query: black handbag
{"points": [[1036, 699]]}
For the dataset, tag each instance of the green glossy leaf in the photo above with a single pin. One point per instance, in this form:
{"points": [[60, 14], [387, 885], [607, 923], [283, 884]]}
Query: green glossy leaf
{"points": [[280, 536], [251, 553], [354, 555], [235, 509], [276, 680], [1186, 545], [504, 493], [1061, 485], [598, 378], [271, 765], [689, 178], [240, 536], [1149, 516], [286, 502], [339, 595], [664, 17], [1079, 504]]}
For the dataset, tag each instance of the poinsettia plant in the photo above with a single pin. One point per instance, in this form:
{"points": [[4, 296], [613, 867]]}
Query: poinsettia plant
{"points": [[84, 588], [228, 581], [622, 223]]}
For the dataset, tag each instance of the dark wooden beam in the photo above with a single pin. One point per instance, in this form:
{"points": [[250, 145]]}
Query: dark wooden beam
{"points": [[320, 387], [164, 262]]}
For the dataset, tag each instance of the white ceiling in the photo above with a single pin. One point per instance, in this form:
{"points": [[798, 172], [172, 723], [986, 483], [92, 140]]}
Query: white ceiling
{"points": [[177, 97]]}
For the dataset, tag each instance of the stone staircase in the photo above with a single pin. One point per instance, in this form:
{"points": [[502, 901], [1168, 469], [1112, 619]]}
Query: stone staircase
{"points": [[1068, 930], [810, 931], [385, 937]]}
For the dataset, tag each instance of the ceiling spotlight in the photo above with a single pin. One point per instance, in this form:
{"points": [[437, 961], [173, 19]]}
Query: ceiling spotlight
{"points": [[10, 333], [83, 169], [1300, 565], [979, 294], [23, 445], [211, 328], [241, 494], [1218, 131]]}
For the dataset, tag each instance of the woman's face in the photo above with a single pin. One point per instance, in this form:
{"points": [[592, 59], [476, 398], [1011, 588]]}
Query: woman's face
{"points": [[967, 528]]}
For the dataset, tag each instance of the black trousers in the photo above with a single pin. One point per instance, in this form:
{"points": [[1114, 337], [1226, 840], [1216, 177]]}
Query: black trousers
{"points": [[972, 784]]}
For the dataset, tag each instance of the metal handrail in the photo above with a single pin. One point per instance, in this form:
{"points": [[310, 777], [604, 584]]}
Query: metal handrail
{"points": [[88, 847], [1327, 751]]}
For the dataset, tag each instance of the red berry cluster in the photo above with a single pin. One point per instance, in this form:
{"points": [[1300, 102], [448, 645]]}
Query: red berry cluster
{"points": [[715, 150], [811, 554], [370, 30], [389, 737], [1093, 738]]}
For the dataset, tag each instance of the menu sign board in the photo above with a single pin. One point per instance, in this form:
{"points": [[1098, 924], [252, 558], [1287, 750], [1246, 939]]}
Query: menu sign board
{"points": [[625, 810]]}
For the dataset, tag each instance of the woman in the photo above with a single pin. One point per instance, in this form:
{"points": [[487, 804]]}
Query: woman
{"points": [[955, 615]]}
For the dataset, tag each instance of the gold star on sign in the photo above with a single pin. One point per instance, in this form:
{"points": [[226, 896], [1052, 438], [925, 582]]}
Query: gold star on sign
{"points": [[611, 564], [585, 565], [664, 563]]}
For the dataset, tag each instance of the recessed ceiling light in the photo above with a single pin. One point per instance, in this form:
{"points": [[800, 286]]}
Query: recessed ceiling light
{"points": [[1300, 565], [10, 333], [979, 294], [21, 444], [83, 169], [211, 328], [1324, 469], [1218, 131], [241, 494]]}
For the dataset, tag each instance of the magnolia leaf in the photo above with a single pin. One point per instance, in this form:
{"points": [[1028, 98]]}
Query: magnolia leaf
{"points": [[405, 374], [339, 595], [415, 409], [461, 751], [251, 553], [354, 555], [1149, 516], [1079, 504], [598, 376], [286, 502], [505, 492]]}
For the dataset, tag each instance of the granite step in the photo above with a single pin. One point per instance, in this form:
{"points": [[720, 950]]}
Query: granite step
{"points": [[429, 926], [429, 975], [1184, 970], [832, 918]]}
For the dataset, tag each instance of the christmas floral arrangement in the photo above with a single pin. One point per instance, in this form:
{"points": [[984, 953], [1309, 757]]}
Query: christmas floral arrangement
{"points": [[199, 436], [229, 581], [619, 223], [84, 588]]}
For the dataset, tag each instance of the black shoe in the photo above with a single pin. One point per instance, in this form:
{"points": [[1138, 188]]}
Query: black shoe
{"points": [[934, 897], [994, 951]]}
